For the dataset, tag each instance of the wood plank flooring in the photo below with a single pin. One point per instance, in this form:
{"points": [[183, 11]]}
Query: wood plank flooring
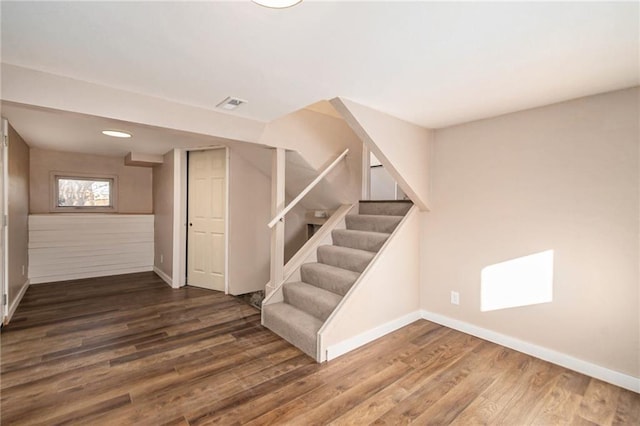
{"points": [[130, 350]]}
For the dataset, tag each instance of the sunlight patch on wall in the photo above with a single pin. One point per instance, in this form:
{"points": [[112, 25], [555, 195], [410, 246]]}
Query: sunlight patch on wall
{"points": [[523, 281]]}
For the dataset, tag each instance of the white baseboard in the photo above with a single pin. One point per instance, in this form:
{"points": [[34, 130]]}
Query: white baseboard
{"points": [[348, 345], [610, 376], [166, 278], [16, 301]]}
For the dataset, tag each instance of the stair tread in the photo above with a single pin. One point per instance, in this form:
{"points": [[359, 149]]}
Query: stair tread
{"points": [[348, 250], [372, 222], [332, 278], [378, 216], [313, 300], [359, 232], [385, 201], [331, 268], [295, 326]]}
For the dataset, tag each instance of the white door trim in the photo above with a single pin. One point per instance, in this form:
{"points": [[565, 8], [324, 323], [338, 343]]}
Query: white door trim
{"points": [[227, 158], [366, 172], [4, 223], [180, 216], [179, 277]]}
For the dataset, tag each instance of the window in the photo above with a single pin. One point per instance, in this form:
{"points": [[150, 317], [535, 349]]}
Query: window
{"points": [[83, 193]]}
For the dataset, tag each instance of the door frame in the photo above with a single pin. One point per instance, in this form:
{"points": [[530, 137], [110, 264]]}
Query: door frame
{"points": [[366, 172], [180, 217], [4, 223]]}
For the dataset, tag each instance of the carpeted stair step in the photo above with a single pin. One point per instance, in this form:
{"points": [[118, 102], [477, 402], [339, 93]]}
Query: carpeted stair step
{"points": [[345, 257], [331, 278], [373, 223], [295, 326], [388, 208], [361, 240], [311, 299]]}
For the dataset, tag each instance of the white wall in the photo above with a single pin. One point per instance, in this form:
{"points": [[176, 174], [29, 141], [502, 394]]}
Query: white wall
{"points": [[382, 185], [563, 177], [75, 245]]}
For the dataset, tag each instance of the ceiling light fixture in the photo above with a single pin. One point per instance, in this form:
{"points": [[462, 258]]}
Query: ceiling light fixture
{"points": [[277, 4], [116, 134]]}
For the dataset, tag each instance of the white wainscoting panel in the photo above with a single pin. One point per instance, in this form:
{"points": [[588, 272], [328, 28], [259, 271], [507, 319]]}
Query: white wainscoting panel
{"points": [[72, 246]]}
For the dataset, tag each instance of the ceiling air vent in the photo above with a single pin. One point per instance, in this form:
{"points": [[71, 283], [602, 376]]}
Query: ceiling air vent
{"points": [[231, 103]]}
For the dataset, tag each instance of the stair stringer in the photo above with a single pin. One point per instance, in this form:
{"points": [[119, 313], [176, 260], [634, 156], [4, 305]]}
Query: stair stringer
{"points": [[308, 253], [385, 297]]}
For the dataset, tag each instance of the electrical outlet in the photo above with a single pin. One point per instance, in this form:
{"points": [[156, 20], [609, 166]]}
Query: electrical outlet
{"points": [[455, 298], [22, 270], [161, 258]]}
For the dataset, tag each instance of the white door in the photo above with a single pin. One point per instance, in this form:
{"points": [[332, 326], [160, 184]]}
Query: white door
{"points": [[206, 224]]}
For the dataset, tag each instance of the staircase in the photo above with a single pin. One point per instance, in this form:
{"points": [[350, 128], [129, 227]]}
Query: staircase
{"points": [[308, 303]]}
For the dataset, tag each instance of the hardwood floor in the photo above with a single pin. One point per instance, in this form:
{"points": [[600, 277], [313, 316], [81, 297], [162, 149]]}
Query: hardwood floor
{"points": [[129, 350]]}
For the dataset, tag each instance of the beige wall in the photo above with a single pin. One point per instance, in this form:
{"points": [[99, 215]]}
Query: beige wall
{"points": [[134, 183], [295, 230], [163, 194], [249, 236], [319, 138], [18, 230], [249, 213], [562, 177], [387, 294], [403, 148]]}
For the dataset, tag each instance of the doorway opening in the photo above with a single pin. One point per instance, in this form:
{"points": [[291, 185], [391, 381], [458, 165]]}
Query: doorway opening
{"points": [[377, 182], [382, 184]]}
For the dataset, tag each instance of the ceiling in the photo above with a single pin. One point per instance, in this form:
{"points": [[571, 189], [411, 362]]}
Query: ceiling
{"points": [[63, 131], [433, 64]]}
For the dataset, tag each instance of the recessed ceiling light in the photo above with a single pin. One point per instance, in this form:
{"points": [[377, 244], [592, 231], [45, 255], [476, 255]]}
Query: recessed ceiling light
{"points": [[277, 4], [231, 103], [116, 134]]}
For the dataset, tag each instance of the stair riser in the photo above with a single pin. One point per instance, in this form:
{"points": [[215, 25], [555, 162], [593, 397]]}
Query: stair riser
{"points": [[385, 208], [307, 343], [337, 283], [356, 263], [372, 223], [368, 242], [309, 305]]}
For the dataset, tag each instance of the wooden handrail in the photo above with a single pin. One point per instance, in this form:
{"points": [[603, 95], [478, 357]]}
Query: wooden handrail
{"points": [[309, 248], [305, 191]]}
